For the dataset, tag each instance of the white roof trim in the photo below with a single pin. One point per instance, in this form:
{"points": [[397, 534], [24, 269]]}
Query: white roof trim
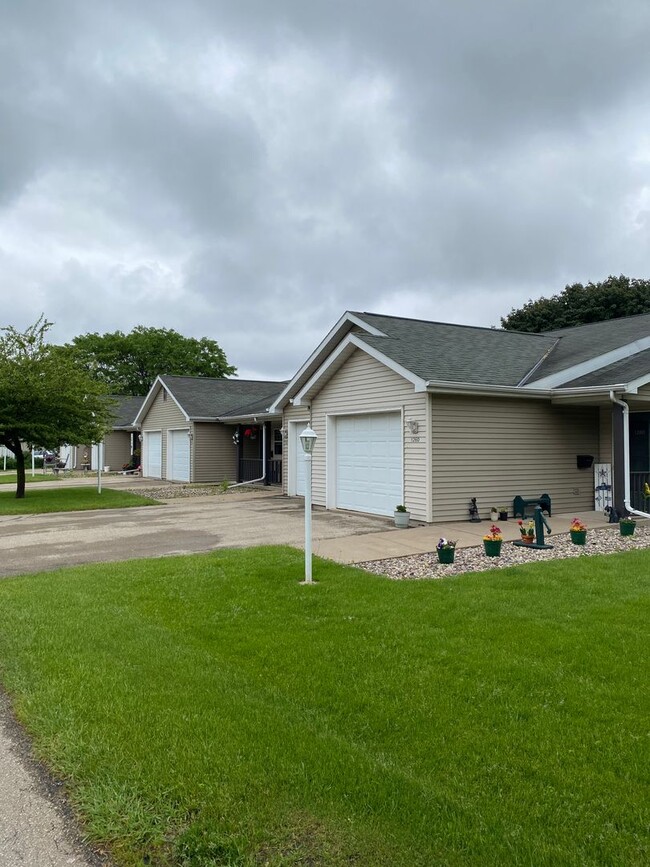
{"points": [[356, 341], [149, 399], [591, 365], [341, 327], [634, 386]]}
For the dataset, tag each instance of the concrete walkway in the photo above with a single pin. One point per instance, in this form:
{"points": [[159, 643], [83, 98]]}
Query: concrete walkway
{"points": [[423, 539]]}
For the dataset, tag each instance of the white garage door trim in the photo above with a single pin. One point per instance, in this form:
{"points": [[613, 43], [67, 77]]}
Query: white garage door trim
{"points": [[297, 475], [178, 454], [368, 466], [152, 454]]}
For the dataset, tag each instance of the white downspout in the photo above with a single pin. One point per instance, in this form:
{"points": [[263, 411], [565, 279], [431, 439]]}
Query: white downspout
{"points": [[262, 478], [626, 456]]}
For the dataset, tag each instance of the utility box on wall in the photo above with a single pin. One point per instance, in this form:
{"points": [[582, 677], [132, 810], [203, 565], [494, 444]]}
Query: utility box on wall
{"points": [[603, 487]]}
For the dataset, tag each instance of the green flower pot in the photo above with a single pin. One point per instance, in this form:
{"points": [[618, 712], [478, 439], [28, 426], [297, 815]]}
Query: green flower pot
{"points": [[578, 537], [627, 528], [492, 549], [446, 555]]}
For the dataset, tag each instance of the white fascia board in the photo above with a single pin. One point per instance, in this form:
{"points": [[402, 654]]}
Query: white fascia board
{"points": [[477, 389], [356, 341], [341, 328], [592, 365], [634, 386], [146, 403]]}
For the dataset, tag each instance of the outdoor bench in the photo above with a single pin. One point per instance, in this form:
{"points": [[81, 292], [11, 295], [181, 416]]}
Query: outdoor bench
{"points": [[519, 504]]}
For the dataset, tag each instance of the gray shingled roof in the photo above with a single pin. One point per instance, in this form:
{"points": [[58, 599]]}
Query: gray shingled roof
{"points": [[125, 409], [439, 351], [624, 371], [202, 397], [588, 341]]}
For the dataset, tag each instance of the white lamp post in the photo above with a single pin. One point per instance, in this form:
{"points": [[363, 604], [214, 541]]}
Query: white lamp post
{"points": [[307, 439]]}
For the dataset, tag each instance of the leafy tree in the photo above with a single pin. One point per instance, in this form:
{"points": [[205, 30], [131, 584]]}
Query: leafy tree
{"points": [[579, 305], [129, 363], [45, 397]]}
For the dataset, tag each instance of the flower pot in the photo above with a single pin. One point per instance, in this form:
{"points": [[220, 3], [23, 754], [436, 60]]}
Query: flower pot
{"points": [[503, 516], [446, 555], [578, 537], [527, 540], [627, 528], [492, 549], [494, 516], [402, 519]]}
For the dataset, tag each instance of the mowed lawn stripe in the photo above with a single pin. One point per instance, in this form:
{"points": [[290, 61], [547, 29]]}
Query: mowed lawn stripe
{"points": [[43, 500], [210, 704]]}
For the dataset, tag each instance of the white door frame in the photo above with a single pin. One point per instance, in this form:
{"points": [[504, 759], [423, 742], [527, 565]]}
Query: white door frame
{"points": [[295, 429], [144, 457], [331, 456]]}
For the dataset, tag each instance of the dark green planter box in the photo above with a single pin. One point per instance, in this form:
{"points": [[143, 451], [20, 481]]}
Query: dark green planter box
{"points": [[446, 555], [492, 549], [578, 537], [627, 528]]}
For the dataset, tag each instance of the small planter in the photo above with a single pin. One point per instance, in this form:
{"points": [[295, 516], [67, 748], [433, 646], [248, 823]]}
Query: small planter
{"points": [[627, 528], [492, 548], [578, 537], [402, 519], [503, 516], [446, 555], [494, 516], [528, 540]]}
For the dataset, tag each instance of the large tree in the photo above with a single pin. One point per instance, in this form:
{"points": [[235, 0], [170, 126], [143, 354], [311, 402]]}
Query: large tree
{"points": [[45, 397], [579, 305], [129, 363]]}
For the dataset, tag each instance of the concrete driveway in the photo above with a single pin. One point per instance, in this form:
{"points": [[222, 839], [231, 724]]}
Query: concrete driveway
{"points": [[30, 543]]}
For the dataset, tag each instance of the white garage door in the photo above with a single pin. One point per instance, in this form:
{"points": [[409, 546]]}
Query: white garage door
{"points": [[369, 462], [178, 455], [152, 464]]}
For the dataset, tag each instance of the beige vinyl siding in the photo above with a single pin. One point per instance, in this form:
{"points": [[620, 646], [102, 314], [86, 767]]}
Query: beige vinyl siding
{"points": [[163, 415], [117, 449], [494, 449], [364, 385], [606, 443], [214, 455]]}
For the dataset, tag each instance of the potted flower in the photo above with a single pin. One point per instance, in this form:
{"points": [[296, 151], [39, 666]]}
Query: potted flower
{"points": [[627, 526], [527, 531], [492, 541], [494, 514], [446, 549], [503, 513], [578, 532], [402, 516]]}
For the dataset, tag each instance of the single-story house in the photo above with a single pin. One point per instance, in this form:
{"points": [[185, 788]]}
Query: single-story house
{"points": [[119, 443], [432, 414], [198, 429]]}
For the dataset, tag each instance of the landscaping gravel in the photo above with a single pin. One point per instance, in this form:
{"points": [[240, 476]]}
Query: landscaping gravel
{"points": [[175, 492], [418, 566]]}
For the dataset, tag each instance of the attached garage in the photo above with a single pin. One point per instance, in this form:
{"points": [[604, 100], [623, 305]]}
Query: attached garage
{"points": [[369, 462], [178, 455], [152, 454]]}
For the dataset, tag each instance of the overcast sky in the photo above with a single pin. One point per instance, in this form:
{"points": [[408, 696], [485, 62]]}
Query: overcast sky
{"points": [[247, 170]]}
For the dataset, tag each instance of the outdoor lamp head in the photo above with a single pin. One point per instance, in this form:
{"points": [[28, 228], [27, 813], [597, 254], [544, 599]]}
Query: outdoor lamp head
{"points": [[307, 439]]}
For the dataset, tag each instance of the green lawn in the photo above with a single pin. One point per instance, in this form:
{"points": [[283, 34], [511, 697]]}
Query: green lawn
{"points": [[68, 500], [39, 476], [210, 710]]}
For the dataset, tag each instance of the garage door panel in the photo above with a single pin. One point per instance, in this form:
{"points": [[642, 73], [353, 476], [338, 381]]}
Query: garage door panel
{"points": [[178, 444], [153, 454], [369, 462]]}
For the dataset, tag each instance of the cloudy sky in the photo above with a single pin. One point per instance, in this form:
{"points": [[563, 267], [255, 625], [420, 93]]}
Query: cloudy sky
{"points": [[247, 170]]}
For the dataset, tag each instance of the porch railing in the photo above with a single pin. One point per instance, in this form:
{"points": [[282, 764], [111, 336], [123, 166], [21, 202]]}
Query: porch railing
{"points": [[252, 468], [637, 484]]}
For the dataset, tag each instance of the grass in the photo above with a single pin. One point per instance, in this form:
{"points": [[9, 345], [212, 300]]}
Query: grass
{"points": [[11, 478], [68, 500], [208, 710]]}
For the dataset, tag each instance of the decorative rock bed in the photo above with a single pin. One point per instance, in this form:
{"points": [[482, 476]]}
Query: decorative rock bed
{"points": [[417, 566], [174, 492]]}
